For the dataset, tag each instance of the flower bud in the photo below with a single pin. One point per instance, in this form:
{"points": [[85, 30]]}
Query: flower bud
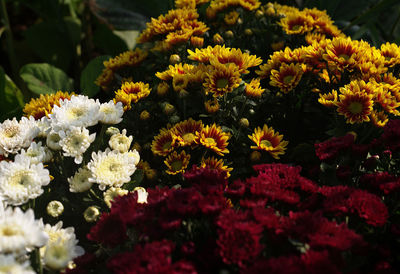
{"points": [[255, 156], [55, 208], [248, 32], [162, 89], [112, 131], [142, 195], [259, 13], [197, 42], [277, 45], [168, 109], [144, 115], [229, 34], [174, 119], [91, 214], [151, 174], [217, 38], [174, 59], [244, 122]]}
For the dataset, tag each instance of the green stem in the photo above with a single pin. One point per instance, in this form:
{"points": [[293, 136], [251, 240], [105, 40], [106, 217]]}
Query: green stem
{"points": [[11, 52], [38, 261]]}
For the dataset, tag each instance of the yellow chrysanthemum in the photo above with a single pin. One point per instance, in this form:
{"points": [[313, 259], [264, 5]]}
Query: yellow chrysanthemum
{"points": [[253, 89], [386, 100], [162, 144], [391, 52], [216, 164], [174, 70], [296, 23], [131, 91], [105, 78], [231, 17], [266, 139], [342, 53], [177, 163], [328, 99], [217, 6], [287, 77], [189, 4], [42, 106], [222, 79], [184, 133], [128, 58], [355, 105], [211, 105], [379, 118], [212, 137]]}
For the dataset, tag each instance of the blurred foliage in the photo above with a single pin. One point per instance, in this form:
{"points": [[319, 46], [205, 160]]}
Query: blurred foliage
{"points": [[74, 37]]}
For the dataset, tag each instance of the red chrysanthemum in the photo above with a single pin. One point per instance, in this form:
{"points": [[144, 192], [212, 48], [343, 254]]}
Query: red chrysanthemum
{"points": [[110, 230], [391, 135], [330, 149], [383, 181]]}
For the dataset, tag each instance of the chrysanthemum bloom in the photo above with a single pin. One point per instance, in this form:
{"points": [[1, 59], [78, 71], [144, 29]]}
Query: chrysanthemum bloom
{"points": [[328, 99], [61, 248], [79, 111], [177, 163], [231, 17], [287, 78], [111, 113], [131, 91], [42, 106], [37, 153], [162, 144], [10, 264], [53, 140], [174, 70], [80, 181], [120, 141], [19, 231], [253, 89], [75, 141], [189, 3], [266, 139], [222, 79], [15, 135], [180, 83], [212, 137], [296, 23], [386, 100], [184, 133], [128, 58], [111, 168], [342, 53], [391, 52], [21, 181], [211, 105], [105, 78], [355, 105], [113, 192], [220, 5], [216, 164]]}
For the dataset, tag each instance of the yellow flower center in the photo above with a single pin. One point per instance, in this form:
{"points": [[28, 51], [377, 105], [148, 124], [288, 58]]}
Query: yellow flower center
{"points": [[222, 83], [176, 165], [355, 107], [75, 113], [344, 56], [287, 79], [166, 146], [296, 27], [9, 231], [266, 143], [188, 137], [11, 131], [210, 142]]}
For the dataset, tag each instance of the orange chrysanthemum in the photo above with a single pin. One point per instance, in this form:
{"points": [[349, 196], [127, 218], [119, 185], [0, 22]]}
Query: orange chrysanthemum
{"points": [[355, 105], [216, 164], [213, 138], [266, 139], [184, 133], [253, 89], [162, 144], [296, 23], [287, 77], [211, 106], [177, 163], [222, 79], [43, 106]]}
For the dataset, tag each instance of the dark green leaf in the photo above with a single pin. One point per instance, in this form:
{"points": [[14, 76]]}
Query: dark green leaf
{"points": [[90, 74], [11, 98], [106, 40], [45, 78]]}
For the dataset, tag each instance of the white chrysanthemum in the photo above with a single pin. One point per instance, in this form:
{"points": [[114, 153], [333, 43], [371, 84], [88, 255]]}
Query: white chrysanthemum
{"points": [[44, 126], [112, 193], [20, 180], [79, 111], [37, 153], [111, 168], [53, 140], [61, 248], [135, 155], [19, 231], [111, 113], [9, 265], [142, 195], [55, 208], [80, 181], [15, 135], [75, 142], [120, 141]]}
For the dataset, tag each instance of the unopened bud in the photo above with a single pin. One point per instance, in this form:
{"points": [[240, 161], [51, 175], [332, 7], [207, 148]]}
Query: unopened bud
{"points": [[197, 42], [151, 174], [174, 59], [248, 32], [174, 119], [255, 156], [229, 34], [144, 115], [112, 131], [259, 14], [162, 88], [217, 38], [55, 208], [244, 122], [168, 108], [91, 214]]}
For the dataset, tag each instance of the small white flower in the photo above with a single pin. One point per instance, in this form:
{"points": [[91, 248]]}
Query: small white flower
{"points": [[9, 265], [61, 248], [135, 155], [20, 180], [53, 140], [80, 181], [37, 153], [112, 193], [111, 113], [120, 141], [55, 208], [44, 126], [79, 111], [111, 168], [142, 195], [19, 231], [15, 135], [112, 130], [75, 142]]}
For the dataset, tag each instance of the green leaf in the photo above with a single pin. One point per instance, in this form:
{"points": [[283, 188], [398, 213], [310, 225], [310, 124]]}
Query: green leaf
{"points": [[11, 98], [90, 74], [109, 42], [45, 78]]}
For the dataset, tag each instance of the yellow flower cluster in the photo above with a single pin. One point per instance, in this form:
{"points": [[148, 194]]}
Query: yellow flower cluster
{"points": [[43, 106], [131, 92], [217, 6]]}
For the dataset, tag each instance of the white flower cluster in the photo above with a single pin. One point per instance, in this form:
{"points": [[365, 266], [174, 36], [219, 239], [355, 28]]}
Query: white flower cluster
{"points": [[20, 233]]}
